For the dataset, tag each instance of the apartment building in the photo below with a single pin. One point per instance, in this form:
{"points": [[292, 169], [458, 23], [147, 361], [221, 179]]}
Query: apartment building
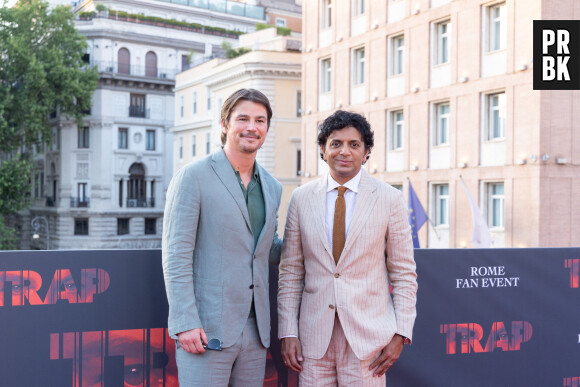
{"points": [[447, 88]]}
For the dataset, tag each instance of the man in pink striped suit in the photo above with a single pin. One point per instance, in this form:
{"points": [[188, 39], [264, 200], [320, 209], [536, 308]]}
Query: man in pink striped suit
{"points": [[346, 240]]}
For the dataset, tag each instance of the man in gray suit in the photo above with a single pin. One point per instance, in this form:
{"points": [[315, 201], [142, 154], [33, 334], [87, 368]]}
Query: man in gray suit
{"points": [[219, 232]]}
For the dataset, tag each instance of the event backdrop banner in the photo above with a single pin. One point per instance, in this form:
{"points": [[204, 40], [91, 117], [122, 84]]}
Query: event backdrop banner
{"points": [[494, 317], [486, 317]]}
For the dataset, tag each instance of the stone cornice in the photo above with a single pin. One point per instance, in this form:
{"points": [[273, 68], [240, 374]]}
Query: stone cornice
{"points": [[149, 39], [262, 70], [133, 83]]}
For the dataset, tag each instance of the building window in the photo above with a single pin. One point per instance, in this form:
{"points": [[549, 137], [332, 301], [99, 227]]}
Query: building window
{"points": [[151, 64], [442, 32], [358, 7], [495, 115], [497, 33], [298, 103], [137, 107], [121, 193], [194, 145], [280, 22], [325, 70], [122, 226], [81, 226], [442, 123], [397, 121], [495, 205], [208, 99], [184, 62], [398, 186], [195, 102], [298, 162], [181, 107], [207, 143], [180, 148], [123, 137], [83, 199], [150, 226], [150, 140], [398, 51], [136, 186], [39, 185], [83, 137], [326, 14], [358, 66], [124, 61], [441, 204]]}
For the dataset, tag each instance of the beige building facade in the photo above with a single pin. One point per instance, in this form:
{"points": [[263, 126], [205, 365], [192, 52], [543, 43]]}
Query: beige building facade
{"points": [[274, 68], [447, 88]]}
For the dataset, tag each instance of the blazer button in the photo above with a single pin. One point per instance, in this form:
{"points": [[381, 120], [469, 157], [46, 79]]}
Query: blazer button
{"points": [[331, 306], [336, 275], [252, 286]]}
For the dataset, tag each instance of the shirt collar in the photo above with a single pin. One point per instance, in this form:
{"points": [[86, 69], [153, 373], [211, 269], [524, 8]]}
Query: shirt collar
{"points": [[352, 184], [256, 173]]}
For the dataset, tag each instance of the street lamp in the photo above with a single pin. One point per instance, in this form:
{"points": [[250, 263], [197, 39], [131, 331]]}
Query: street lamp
{"points": [[36, 224]]}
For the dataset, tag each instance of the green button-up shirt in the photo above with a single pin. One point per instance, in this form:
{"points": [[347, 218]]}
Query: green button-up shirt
{"points": [[255, 203], [256, 210]]}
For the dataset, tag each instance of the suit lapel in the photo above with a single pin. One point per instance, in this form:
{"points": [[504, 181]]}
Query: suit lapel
{"points": [[225, 172], [318, 211], [365, 202], [269, 199]]}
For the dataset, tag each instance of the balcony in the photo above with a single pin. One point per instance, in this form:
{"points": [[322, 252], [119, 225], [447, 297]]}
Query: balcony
{"points": [[138, 111], [50, 202], [134, 70], [140, 202], [80, 202], [235, 8], [225, 6]]}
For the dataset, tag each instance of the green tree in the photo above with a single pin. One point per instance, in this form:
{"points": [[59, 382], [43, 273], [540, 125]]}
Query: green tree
{"points": [[41, 70]]}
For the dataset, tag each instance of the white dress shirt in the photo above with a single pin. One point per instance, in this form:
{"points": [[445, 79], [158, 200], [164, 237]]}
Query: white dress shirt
{"points": [[349, 198]]}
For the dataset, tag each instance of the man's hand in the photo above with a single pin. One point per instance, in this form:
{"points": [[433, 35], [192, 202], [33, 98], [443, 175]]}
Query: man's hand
{"points": [[292, 353], [192, 341], [388, 356]]}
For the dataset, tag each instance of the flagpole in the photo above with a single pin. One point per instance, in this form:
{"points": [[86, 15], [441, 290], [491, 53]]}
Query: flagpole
{"points": [[429, 219]]}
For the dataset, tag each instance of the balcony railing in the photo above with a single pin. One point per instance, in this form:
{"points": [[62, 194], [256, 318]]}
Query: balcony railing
{"points": [[140, 71], [138, 111], [233, 8], [225, 6], [140, 202], [80, 202]]}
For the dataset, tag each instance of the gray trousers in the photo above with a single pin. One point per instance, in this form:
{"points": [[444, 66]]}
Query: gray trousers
{"points": [[241, 365]]}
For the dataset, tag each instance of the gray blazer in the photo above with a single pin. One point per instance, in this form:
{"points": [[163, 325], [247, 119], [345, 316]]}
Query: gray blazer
{"points": [[210, 266]]}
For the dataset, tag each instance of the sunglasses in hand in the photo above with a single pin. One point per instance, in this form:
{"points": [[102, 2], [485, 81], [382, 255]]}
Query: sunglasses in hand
{"points": [[213, 344]]}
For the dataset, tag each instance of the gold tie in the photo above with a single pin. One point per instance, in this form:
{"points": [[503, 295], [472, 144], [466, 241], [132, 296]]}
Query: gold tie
{"points": [[338, 229]]}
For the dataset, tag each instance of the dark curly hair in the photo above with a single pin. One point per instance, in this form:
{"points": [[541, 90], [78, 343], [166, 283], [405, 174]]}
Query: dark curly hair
{"points": [[340, 120]]}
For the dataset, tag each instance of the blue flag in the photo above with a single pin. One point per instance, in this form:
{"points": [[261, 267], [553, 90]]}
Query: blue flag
{"points": [[417, 215]]}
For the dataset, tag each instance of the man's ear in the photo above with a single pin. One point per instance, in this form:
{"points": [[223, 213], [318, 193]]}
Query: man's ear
{"points": [[224, 126], [366, 156], [322, 150]]}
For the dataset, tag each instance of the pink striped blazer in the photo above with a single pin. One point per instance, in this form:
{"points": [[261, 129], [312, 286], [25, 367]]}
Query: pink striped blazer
{"points": [[378, 252]]}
